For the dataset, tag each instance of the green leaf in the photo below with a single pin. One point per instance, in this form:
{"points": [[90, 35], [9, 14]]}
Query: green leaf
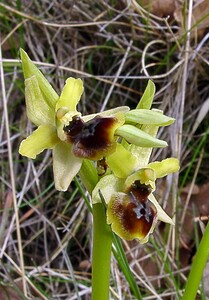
{"points": [[29, 70], [138, 137], [146, 116], [121, 258], [198, 265], [147, 97]]}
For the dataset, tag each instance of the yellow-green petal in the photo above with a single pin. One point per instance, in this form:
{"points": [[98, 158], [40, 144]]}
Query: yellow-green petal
{"points": [[29, 70], [38, 110], [121, 162], [161, 214], [65, 165], [138, 137], [165, 167], [71, 94], [44, 137]]}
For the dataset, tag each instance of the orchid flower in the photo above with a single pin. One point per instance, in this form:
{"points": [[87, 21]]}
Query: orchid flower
{"points": [[71, 136], [132, 209], [61, 127]]}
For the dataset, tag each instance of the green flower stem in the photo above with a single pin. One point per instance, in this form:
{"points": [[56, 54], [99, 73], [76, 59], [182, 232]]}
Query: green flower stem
{"points": [[102, 238], [198, 266], [102, 245], [88, 175]]}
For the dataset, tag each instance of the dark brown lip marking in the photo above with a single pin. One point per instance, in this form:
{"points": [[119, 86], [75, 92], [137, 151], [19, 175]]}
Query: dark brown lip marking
{"points": [[140, 190], [91, 139], [134, 211]]}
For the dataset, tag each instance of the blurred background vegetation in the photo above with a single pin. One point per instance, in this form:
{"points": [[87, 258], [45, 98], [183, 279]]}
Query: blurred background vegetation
{"points": [[115, 47]]}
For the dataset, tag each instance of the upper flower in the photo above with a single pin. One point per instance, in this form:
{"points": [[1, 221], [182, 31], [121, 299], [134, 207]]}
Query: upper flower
{"points": [[57, 117], [73, 137]]}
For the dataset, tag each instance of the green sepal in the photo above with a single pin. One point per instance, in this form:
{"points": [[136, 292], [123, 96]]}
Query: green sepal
{"points": [[146, 116], [138, 137], [121, 162], [29, 70], [65, 165], [44, 137], [38, 110], [143, 154]]}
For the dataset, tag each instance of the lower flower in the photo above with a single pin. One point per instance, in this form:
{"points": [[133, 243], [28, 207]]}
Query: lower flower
{"points": [[132, 210], [132, 215]]}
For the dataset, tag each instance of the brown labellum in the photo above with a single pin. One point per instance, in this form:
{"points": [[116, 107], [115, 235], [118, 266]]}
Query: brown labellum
{"points": [[133, 211], [93, 139]]}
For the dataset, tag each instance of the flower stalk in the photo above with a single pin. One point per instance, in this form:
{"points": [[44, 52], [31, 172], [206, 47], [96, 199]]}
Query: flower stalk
{"points": [[102, 237], [101, 256]]}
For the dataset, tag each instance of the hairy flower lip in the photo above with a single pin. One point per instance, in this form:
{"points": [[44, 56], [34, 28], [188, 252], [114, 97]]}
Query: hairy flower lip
{"points": [[93, 139], [132, 215], [74, 128]]}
